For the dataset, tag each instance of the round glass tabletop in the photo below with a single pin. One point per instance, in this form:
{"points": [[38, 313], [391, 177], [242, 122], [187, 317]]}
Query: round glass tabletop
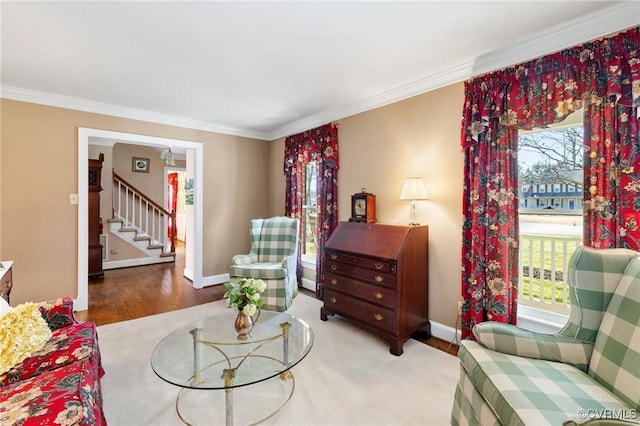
{"points": [[206, 354]]}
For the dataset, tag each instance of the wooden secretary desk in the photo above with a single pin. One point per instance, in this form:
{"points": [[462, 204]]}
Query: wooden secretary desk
{"points": [[377, 276]]}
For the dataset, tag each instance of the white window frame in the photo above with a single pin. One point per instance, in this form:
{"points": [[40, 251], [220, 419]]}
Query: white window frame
{"points": [[308, 260]]}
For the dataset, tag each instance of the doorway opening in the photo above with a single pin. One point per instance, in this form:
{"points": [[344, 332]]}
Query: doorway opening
{"points": [[193, 248]]}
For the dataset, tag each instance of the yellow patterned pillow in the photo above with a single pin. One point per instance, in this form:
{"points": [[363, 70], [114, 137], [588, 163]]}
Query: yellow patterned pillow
{"points": [[23, 331]]}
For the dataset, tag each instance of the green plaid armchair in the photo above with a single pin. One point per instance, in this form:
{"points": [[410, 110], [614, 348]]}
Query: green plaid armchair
{"points": [[273, 258], [587, 373]]}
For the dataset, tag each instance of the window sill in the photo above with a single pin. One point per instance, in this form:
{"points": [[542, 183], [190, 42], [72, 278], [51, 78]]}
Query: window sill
{"points": [[540, 321], [308, 263]]}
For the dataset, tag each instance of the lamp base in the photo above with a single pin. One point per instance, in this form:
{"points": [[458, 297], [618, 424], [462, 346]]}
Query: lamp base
{"points": [[412, 215]]}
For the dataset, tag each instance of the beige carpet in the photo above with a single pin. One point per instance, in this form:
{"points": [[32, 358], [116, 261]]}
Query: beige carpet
{"points": [[348, 378]]}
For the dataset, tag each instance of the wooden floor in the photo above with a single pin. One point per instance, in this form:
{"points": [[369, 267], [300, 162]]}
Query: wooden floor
{"points": [[129, 293]]}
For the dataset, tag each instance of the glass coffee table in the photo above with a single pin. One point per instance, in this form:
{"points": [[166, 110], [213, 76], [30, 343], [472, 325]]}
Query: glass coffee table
{"points": [[206, 355]]}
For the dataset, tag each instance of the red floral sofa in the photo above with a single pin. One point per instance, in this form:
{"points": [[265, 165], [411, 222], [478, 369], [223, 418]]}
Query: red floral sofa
{"points": [[60, 383]]}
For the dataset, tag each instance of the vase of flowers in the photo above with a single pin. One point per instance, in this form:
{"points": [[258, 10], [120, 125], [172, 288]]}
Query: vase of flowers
{"points": [[245, 297]]}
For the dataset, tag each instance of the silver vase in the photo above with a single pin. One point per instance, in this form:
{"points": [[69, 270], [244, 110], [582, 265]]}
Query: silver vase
{"points": [[243, 325]]}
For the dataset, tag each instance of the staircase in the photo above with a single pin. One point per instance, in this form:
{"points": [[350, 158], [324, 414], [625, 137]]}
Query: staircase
{"points": [[142, 223]]}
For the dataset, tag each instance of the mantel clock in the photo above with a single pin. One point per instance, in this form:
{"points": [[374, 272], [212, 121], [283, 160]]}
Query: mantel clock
{"points": [[363, 207]]}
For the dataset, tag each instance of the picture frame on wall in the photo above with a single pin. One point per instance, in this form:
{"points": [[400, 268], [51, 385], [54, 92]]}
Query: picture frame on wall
{"points": [[140, 165]]}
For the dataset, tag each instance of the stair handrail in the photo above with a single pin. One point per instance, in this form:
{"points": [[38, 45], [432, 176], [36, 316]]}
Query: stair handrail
{"points": [[171, 215]]}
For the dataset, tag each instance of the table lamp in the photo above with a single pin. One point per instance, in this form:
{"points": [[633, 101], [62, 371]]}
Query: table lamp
{"points": [[413, 190]]}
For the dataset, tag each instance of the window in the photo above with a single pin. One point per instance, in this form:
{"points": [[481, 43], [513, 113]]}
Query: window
{"points": [[550, 231], [310, 212]]}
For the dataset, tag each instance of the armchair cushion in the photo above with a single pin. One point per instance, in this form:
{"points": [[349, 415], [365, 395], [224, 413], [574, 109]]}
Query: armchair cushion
{"points": [[525, 391], [245, 259], [58, 312], [262, 270], [513, 340]]}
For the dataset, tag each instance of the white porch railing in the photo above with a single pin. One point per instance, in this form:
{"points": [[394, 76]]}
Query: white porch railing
{"points": [[543, 271], [138, 211]]}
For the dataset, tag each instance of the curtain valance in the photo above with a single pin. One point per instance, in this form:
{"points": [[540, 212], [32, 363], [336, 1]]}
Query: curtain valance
{"points": [[548, 89], [319, 144]]}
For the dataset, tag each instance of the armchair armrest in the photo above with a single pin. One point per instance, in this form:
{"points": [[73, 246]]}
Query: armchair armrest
{"points": [[58, 312], [289, 262], [244, 259], [513, 340]]}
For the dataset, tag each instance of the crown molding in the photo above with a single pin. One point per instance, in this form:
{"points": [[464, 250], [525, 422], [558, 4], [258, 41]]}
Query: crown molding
{"points": [[418, 87], [589, 27], [619, 17], [50, 99]]}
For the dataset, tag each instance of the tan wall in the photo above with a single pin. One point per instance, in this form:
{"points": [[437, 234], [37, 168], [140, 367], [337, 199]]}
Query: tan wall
{"points": [[378, 150], [243, 179], [39, 154]]}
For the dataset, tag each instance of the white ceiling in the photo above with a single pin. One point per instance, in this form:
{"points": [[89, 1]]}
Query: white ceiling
{"points": [[269, 69]]}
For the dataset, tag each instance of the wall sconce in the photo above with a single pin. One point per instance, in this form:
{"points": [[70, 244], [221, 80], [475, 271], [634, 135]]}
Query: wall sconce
{"points": [[167, 156], [414, 190]]}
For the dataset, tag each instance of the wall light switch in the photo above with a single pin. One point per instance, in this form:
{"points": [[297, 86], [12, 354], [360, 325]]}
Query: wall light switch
{"points": [[73, 198]]}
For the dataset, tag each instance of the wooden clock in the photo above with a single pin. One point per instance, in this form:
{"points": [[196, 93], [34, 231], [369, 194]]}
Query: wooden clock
{"points": [[363, 207]]}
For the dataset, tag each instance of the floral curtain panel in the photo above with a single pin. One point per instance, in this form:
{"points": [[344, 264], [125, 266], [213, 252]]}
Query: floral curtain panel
{"points": [[603, 77], [321, 145], [611, 176]]}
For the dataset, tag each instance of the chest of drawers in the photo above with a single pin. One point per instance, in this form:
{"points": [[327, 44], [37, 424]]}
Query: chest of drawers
{"points": [[377, 276]]}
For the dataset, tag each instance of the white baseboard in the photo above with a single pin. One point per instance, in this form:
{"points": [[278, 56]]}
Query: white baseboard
{"points": [[81, 303], [213, 280], [141, 261], [309, 284], [446, 333]]}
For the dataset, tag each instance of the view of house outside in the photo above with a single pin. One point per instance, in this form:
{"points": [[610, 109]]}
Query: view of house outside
{"points": [[550, 214]]}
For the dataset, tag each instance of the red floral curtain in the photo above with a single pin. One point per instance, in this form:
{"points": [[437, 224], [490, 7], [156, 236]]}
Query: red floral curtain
{"points": [[321, 145], [172, 202], [534, 95], [611, 176], [490, 229]]}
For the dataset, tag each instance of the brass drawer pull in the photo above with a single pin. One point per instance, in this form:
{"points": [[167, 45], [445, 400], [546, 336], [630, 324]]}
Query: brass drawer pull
{"points": [[378, 317], [334, 299], [378, 295], [379, 265], [378, 278], [333, 267], [334, 281], [333, 256]]}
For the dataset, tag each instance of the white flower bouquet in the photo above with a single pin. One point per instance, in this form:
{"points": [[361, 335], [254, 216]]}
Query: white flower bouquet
{"points": [[245, 295]]}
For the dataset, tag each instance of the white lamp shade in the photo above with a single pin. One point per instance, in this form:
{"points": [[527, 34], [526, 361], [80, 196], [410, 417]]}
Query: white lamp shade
{"points": [[414, 189]]}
